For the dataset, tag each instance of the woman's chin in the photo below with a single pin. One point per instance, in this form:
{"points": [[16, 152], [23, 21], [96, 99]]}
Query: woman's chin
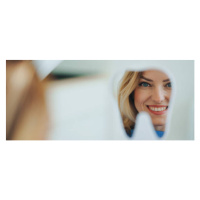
{"points": [[159, 127]]}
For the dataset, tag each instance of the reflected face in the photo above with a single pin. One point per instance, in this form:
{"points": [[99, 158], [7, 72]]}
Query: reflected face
{"points": [[152, 95]]}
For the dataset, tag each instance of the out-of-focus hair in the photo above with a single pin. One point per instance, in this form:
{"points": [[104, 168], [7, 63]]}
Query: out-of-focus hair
{"points": [[126, 104], [26, 111]]}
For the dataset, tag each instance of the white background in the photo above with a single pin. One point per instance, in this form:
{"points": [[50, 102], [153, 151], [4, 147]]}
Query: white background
{"points": [[65, 30]]}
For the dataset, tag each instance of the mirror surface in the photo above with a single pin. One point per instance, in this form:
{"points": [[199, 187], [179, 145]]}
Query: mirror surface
{"points": [[144, 91]]}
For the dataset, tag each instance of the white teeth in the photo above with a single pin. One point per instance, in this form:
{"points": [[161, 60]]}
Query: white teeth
{"points": [[158, 109]]}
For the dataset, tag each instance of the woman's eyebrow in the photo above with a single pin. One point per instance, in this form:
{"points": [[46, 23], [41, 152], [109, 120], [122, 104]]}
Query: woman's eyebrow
{"points": [[146, 79], [166, 80]]}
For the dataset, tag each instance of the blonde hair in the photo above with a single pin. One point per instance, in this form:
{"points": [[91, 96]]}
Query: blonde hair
{"points": [[26, 111], [126, 104]]}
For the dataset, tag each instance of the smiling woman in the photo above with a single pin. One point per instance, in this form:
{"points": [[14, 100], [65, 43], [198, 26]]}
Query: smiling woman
{"points": [[148, 91]]}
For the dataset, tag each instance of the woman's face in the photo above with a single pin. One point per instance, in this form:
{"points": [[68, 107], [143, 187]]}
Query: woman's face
{"points": [[152, 95]]}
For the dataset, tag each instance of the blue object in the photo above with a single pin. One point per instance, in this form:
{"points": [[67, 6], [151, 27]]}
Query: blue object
{"points": [[159, 133]]}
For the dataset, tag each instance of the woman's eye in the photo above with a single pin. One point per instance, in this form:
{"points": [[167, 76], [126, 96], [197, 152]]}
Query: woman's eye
{"points": [[169, 85], [144, 84]]}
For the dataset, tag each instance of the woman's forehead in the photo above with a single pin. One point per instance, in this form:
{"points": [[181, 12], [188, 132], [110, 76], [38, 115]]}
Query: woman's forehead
{"points": [[155, 74]]}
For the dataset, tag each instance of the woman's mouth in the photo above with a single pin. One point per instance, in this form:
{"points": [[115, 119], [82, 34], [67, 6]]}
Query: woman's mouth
{"points": [[157, 109]]}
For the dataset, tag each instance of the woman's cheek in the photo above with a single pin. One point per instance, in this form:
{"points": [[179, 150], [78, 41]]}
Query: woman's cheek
{"points": [[169, 94], [139, 96]]}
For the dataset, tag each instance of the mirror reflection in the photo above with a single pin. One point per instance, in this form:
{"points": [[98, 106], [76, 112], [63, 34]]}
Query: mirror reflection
{"points": [[148, 91]]}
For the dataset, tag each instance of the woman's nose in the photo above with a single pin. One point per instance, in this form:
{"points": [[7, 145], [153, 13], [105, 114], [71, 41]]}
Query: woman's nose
{"points": [[158, 95]]}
